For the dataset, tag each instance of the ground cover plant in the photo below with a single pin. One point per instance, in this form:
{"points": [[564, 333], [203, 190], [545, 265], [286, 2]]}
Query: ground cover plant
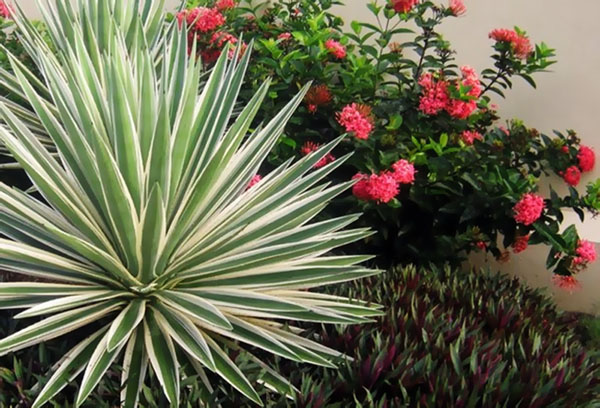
{"points": [[453, 338], [439, 176], [145, 236]]}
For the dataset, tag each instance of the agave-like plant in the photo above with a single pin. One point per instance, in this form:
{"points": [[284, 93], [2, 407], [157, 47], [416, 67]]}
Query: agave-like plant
{"points": [[148, 239], [131, 17]]}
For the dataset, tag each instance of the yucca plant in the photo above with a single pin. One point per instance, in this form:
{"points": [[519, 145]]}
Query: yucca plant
{"points": [[130, 17], [147, 238]]}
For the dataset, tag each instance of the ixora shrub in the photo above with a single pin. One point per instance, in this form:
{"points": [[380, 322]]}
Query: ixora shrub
{"points": [[438, 176], [488, 342], [148, 240]]}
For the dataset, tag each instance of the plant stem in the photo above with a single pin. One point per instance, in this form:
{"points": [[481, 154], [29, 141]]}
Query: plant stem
{"points": [[427, 33], [381, 47], [492, 82]]}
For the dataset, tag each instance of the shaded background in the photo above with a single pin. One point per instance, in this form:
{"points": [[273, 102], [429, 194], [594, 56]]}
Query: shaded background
{"points": [[566, 98]]}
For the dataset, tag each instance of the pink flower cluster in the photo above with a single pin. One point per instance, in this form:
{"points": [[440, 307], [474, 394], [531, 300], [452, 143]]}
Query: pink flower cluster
{"points": [[201, 19], [223, 5], [469, 136], [521, 244], [436, 97], [403, 6], [5, 10], [457, 7], [310, 147], [356, 119], [586, 161], [284, 36], [529, 209], [403, 172], [519, 43], [217, 41], [586, 253], [586, 158], [335, 48], [254, 181], [383, 187]]}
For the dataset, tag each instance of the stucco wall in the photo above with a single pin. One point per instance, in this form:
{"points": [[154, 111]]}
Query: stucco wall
{"points": [[566, 98]]}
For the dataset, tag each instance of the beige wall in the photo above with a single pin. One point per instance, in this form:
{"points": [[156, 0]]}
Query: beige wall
{"points": [[566, 98]]}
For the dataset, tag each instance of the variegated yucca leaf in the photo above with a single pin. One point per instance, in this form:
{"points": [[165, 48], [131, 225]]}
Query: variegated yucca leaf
{"points": [[98, 20], [147, 237]]}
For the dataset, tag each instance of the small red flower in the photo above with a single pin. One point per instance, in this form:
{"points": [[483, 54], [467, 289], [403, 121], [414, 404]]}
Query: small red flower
{"points": [[403, 172], [586, 158], [403, 6], [255, 180], [201, 19], [317, 95], [457, 7], [223, 5], [310, 147], [572, 176], [529, 209], [382, 187], [284, 36], [586, 253], [360, 188], [520, 44], [568, 283], [469, 136], [481, 245], [336, 49], [5, 10], [356, 119], [521, 244]]}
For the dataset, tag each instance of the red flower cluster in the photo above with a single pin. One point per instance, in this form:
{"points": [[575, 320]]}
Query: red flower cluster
{"points": [[586, 161], [5, 10], [356, 119], [572, 175], [376, 187], [317, 95], [284, 36], [521, 244], [529, 209], [223, 5], [586, 158], [403, 172], [217, 42], [586, 253], [403, 6], [469, 136], [201, 19], [457, 7], [335, 48], [255, 180], [383, 187], [436, 96], [520, 44], [310, 147], [568, 283]]}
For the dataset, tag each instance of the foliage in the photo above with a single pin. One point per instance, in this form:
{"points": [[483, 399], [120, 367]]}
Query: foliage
{"points": [[466, 184], [591, 332], [488, 342], [147, 246], [454, 339]]}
